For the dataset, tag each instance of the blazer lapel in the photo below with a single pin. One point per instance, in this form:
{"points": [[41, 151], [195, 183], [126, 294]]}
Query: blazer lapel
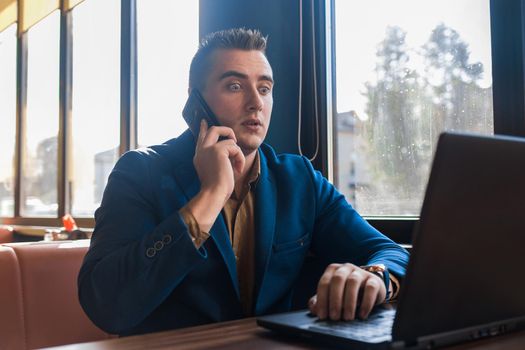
{"points": [[265, 213], [221, 237], [187, 178]]}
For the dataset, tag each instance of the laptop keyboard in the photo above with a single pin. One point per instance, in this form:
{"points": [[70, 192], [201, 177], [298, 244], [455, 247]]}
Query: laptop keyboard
{"points": [[377, 328]]}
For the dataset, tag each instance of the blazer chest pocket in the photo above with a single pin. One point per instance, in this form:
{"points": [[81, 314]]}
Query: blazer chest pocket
{"points": [[287, 247]]}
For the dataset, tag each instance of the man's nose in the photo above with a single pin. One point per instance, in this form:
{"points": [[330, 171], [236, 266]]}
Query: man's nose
{"points": [[255, 101]]}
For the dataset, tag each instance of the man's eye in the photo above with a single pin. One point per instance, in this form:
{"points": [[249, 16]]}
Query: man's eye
{"points": [[235, 87], [264, 90]]}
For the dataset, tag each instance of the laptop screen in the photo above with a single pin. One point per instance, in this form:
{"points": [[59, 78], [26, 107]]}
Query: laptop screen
{"points": [[466, 268]]}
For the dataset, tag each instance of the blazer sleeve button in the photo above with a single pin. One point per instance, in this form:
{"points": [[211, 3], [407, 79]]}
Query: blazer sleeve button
{"points": [[158, 245], [166, 239], [150, 252]]}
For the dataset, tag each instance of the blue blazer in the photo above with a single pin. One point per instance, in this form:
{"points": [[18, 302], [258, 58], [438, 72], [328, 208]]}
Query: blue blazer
{"points": [[142, 272]]}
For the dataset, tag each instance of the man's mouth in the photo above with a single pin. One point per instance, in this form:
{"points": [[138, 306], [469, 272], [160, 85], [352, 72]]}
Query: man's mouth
{"points": [[252, 124]]}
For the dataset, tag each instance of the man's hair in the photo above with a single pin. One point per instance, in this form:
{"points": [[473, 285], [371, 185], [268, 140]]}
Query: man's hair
{"points": [[237, 38]]}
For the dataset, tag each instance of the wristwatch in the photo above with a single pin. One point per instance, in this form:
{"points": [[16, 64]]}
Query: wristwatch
{"points": [[381, 271]]}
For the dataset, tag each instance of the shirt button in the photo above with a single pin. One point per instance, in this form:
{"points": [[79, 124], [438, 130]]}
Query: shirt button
{"points": [[166, 239], [150, 252], [158, 245]]}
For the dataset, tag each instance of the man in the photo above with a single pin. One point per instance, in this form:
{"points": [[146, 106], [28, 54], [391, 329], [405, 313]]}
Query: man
{"points": [[216, 226]]}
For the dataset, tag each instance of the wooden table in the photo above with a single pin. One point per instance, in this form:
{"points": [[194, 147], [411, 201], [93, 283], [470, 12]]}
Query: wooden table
{"points": [[245, 334]]}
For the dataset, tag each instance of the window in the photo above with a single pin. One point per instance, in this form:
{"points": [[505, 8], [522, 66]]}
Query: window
{"points": [[39, 157], [166, 42], [96, 102], [406, 70], [7, 118], [100, 123]]}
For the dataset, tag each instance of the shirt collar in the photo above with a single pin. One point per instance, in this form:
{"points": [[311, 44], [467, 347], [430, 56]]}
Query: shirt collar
{"points": [[255, 171], [252, 178]]}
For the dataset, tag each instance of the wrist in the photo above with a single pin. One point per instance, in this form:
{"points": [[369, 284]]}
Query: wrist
{"points": [[215, 194], [198, 237], [205, 207]]}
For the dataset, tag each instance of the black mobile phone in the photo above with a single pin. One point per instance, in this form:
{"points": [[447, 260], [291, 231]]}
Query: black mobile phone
{"points": [[197, 109]]}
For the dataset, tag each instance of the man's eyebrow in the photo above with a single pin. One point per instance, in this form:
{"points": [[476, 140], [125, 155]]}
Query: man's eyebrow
{"points": [[233, 73], [267, 78]]}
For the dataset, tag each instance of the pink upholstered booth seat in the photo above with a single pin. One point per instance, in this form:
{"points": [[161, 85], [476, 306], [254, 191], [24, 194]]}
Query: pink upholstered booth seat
{"points": [[11, 309], [38, 296]]}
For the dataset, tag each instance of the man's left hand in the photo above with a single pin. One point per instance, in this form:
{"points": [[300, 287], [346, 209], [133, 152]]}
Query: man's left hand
{"points": [[346, 290]]}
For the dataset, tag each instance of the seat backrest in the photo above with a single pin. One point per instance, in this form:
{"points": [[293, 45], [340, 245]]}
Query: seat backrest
{"points": [[12, 334], [48, 278]]}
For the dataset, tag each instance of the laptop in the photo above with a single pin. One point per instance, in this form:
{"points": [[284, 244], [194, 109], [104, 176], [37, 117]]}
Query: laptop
{"points": [[466, 277]]}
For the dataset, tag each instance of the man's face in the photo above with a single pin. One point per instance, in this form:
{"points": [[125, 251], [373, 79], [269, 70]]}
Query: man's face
{"points": [[239, 92]]}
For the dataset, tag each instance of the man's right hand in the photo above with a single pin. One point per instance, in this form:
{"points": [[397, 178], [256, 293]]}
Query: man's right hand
{"points": [[217, 164]]}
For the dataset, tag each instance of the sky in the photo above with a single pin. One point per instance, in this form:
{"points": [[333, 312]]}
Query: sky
{"points": [[361, 26]]}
